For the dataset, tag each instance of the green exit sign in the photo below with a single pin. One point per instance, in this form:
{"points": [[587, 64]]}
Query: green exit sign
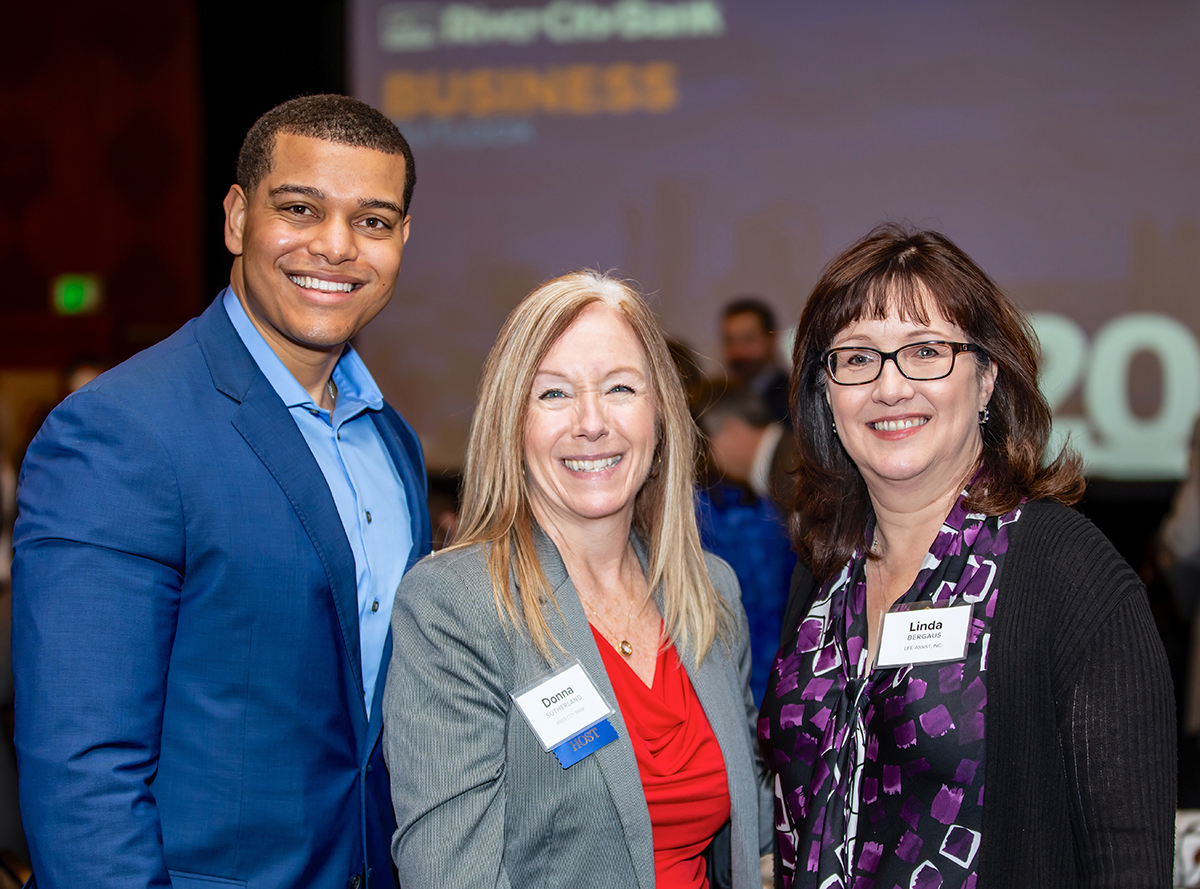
{"points": [[76, 294]]}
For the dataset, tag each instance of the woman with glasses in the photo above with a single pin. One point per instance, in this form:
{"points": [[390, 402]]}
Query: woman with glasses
{"points": [[970, 689]]}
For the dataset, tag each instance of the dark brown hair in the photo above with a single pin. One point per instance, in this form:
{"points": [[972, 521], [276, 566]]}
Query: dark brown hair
{"points": [[330, 118], [895, 269], [752, 305]]}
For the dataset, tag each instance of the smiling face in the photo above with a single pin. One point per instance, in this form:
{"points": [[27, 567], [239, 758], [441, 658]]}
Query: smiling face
{"points": [[907, 435], [590, 430], [317, 244]]}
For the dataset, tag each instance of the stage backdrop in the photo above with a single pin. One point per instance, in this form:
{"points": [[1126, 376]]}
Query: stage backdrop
{"points": [[709, 149]]}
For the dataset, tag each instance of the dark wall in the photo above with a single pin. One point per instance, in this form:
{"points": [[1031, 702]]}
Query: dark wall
{"points": [[122, 125], [99, 174], [254, 56]]}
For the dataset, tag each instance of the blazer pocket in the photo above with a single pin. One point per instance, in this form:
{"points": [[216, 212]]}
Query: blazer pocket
{"points": [[200, 881]]}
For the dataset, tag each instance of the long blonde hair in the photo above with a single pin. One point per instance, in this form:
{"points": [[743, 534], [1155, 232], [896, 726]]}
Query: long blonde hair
{"points": [[495, 505]]}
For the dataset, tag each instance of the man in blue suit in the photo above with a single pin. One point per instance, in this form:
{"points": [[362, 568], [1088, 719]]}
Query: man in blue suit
{"points": [[209, 543]]}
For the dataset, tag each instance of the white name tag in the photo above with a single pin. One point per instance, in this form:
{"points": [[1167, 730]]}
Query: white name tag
{"points": [[562, 705], [923, 634]]}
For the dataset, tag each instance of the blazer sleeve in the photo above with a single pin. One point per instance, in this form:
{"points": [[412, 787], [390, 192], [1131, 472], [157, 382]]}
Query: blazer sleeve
{"points": [[96, 582], [446, 708]]}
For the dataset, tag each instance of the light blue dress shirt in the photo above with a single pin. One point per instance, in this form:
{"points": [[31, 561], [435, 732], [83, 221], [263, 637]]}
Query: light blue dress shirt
{"points": [[365, 483]]}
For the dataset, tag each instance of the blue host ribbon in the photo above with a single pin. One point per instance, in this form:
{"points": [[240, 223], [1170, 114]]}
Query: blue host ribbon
{"points": [[585, 744]]}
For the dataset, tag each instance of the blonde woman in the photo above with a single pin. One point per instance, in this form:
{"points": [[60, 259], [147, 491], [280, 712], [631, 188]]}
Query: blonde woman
{"points": [[567, 697]]}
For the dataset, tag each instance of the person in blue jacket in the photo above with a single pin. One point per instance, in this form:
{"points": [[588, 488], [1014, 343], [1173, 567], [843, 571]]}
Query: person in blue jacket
{"points": [[209, 541], [740, 508]]}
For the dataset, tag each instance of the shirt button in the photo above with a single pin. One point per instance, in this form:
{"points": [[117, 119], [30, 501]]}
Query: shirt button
{"points": [[368, 512], [374, 606]]}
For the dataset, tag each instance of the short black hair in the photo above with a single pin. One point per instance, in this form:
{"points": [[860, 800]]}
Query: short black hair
{"points": [[752, 305], [329, 117]]}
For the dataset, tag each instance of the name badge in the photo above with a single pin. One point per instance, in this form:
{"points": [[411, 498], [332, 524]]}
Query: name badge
{"points": [[567, 713], [923, 633]]}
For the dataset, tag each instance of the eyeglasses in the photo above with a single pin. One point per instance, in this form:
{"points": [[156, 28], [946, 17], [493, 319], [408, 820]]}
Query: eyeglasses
{"points": [[856, 365]]}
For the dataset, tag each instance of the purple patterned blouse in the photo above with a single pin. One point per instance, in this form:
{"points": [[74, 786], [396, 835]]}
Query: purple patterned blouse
{"points": [[879, 773]]}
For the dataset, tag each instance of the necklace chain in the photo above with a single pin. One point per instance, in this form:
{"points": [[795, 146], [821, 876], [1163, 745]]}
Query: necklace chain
{"points": [[623, 645], [877, 551]]}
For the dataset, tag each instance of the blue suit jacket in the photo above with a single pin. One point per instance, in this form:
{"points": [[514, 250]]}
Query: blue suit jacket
{"points": [[185, 635]]}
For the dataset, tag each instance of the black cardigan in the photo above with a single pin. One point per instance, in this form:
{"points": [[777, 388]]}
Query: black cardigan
{"points": [[1080, 773]]}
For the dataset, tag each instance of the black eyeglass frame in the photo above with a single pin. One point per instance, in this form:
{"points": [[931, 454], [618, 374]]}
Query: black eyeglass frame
{"points": [[956, 350]]}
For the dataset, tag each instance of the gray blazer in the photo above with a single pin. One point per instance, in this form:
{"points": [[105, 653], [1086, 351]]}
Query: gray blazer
{"points": [[478, 802]]}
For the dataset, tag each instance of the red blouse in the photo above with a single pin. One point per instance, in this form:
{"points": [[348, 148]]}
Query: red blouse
{"points": [[682, 770]]}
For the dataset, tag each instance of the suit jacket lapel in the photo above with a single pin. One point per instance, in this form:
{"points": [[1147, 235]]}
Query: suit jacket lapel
{"points": [[375, 723], [411, 467], [716, 686], [412, 478], [711, 682], [617, 762], [269, 430]]}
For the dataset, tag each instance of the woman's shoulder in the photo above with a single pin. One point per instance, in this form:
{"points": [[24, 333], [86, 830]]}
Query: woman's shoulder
{"points": [[1057, 551], [460, 575], [459, 561], [1051, 532], [721, 574], [1054, 513]]}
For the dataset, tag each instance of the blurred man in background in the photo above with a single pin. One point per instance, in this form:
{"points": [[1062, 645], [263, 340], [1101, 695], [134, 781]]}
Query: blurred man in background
{"points": [[750, 353]]}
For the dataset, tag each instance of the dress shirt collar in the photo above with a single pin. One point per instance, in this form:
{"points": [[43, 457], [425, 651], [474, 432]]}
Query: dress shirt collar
{"points": [[356, 388]]}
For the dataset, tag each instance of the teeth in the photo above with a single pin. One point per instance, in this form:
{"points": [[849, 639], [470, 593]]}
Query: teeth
{"points": [[592, 465], [897, 425], [318, 284]]}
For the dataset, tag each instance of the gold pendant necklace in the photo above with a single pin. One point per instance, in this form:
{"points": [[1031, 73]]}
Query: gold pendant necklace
{"points": [[624, 646]]}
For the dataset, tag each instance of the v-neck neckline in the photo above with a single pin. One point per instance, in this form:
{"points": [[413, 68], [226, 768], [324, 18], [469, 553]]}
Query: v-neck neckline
{"points": [[601, 639]]}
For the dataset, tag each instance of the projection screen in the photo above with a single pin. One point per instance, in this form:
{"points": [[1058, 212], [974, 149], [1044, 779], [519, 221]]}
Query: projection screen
{"points": [[710, 149]]}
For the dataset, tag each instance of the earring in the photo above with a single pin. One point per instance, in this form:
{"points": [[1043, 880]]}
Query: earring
{"points": [[655, 465], [984, 416], [834, 424]]}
